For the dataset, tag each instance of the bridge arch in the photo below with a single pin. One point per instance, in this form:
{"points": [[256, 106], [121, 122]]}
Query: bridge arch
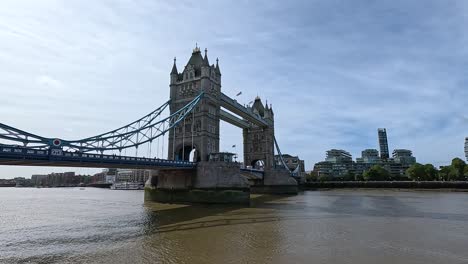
{"points": [[258, 164], [188, 153]]}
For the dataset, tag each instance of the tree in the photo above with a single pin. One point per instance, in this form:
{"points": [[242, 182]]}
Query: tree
{"points": [[311, 177], [431, 172], [444, 173], [419, 172], [453, 174], [323, 177], [458, 166], [376, 173], [349, 176], [359, 177], [416, 172]]}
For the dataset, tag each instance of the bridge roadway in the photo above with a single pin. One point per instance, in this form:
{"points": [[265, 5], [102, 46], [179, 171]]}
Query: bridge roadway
{"points": [[16, 155]]}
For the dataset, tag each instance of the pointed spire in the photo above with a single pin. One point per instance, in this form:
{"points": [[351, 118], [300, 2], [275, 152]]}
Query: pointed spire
{"points": [[196, 49], [217, 67], [205, 60], [174, 67]]}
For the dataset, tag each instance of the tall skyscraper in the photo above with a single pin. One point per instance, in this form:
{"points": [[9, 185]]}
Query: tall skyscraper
{"points": [[466, 148], [383, 143]]}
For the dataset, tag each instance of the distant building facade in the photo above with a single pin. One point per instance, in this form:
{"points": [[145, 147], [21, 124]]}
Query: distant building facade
{"points": [[133, 175], [338, 156], [63, 179], [338, 163], [404, 156], [369, 156]]}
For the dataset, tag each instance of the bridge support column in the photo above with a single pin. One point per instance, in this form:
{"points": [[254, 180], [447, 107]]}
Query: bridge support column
{"points": [[211, 182]]}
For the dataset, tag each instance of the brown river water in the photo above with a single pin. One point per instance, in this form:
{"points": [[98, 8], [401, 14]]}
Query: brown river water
{"points": [[69, 225]]}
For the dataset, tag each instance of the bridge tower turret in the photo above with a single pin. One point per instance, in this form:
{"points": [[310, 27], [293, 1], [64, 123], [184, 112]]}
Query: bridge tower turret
{"points": [[198, 76], [259, 141]]}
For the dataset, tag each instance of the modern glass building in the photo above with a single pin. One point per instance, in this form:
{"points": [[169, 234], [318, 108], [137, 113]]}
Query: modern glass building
{"points": [[338, 156], [466, 148], [383, 143], [403, 156]]}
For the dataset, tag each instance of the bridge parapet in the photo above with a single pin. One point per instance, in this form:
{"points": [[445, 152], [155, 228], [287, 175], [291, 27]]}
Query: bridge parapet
{"points": [[15, 155]]}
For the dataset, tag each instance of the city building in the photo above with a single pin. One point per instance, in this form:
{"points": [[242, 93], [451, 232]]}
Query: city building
{"points": [[397, 170], [369, 156], [66, 179], [404, 156], [39, 179], [22, 182], [466, 148], [132, 175], [323, 168], [338, 156], [383, 144], [338, 163], [7, 183]]}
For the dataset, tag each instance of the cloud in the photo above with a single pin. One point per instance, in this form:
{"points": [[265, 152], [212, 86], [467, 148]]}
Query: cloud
{"points": [[334, 70]]}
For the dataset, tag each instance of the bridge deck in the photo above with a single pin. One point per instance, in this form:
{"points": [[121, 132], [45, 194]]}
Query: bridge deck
{"points": [[30, 157]]}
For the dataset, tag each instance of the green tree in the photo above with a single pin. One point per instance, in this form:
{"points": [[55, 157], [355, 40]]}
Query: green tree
{"points": [[453, 174], [431, 172], [349, 176], [311, 177], [444, 173], [458, 169], [376, 173], [323, 177], [416, 172], [358, 177]]}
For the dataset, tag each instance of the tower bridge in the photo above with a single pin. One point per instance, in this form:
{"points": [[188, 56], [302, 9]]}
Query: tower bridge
{"points": [[196, 107]]}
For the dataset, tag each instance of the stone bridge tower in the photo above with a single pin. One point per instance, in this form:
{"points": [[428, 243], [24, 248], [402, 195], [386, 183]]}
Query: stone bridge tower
{"points": [[198, 75], [259, 141]]}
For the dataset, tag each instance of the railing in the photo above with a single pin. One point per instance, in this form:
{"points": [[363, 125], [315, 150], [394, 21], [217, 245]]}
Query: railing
{"points": [[17, 152]]}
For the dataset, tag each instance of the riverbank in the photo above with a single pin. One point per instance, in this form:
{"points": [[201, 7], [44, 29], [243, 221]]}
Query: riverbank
{"points": [[446, 185]]}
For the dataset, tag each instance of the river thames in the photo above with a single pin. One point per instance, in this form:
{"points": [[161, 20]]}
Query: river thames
{"points": [[69, 225]]}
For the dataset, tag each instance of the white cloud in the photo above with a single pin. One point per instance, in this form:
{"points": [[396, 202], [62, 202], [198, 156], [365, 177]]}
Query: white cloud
{"points": [[334, 72]]}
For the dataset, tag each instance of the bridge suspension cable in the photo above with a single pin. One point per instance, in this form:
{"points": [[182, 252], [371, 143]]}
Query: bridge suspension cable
{"points": [[139, 132], [280, 154]]}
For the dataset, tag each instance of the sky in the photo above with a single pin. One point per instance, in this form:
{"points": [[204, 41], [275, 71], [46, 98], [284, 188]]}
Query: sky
{"points": [[334, 70]]}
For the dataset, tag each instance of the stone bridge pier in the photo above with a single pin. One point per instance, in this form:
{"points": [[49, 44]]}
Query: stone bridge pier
{"points": [[210, 182]]}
